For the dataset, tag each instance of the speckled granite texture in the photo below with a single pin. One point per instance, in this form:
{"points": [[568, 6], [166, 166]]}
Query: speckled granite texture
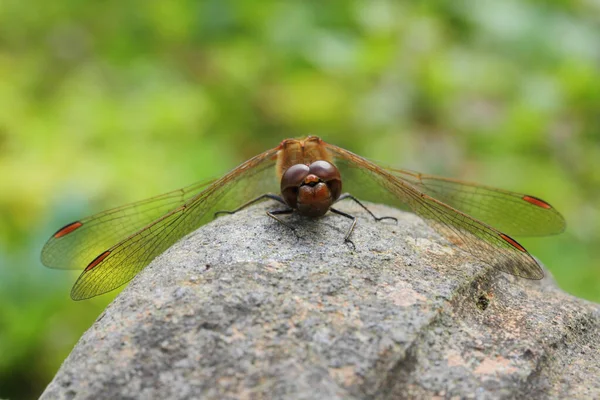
{"points": [[244, 308]]}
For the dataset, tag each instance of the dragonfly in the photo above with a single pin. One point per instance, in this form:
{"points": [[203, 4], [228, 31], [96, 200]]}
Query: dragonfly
{"points": [[306, 176]]}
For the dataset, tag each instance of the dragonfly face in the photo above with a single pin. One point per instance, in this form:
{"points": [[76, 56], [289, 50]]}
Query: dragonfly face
{"points": [[311, 189], [113, 246]]}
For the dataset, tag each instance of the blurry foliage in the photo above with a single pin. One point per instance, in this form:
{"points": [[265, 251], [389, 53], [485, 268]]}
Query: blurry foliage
{"points": [[107, 102]]}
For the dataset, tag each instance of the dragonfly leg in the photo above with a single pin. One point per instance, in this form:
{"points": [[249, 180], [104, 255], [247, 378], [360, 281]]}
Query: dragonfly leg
{"points": [[259, 198], [274, 214], [351, 229], [349, 196]]}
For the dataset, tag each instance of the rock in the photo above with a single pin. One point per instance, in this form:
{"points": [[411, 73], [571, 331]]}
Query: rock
{"points": [[245, 308]]}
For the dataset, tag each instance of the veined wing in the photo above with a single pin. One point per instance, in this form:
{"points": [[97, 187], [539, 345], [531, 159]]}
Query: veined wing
{"points": [[118, 263], [481, 240], [514, 213], [76, 244]]}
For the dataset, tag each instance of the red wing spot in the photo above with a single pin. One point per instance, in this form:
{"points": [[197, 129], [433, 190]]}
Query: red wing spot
{"points": [[513, 242], [65, 230], [97, 260], [537, 202]]}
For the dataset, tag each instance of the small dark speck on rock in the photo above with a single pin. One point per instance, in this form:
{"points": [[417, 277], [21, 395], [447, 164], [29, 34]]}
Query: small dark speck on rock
{"points": [[483, 302], [528, 354]]}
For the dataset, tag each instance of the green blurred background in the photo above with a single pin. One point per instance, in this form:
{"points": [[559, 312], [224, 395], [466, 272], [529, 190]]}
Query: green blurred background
{"points": [[103, 103]]}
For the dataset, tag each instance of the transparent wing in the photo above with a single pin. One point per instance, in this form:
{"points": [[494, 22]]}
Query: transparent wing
{"points": [[513, 213], [118, 263], [76, 244], [476, 237]]}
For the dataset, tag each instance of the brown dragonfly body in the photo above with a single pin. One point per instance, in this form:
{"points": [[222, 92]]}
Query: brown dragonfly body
{"points": [[310, 183], [113, 246]]}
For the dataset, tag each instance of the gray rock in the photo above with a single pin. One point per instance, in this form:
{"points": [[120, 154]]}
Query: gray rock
{"points": [[243, 308]]}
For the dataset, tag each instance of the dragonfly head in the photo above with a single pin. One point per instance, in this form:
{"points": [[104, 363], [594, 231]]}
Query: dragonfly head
{"points": [[311, 189]]}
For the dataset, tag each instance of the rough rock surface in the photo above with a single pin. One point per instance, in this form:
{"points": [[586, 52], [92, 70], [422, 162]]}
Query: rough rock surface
{"points": [[244, 308]]}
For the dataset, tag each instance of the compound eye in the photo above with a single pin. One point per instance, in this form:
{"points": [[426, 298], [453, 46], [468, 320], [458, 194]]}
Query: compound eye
{"points": [[329, 174], [290, 183], [325, 170], [294, 176]]}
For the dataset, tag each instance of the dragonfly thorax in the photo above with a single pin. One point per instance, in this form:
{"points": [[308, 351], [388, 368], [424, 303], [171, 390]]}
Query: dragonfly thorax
{"points": [[311, 189]]}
